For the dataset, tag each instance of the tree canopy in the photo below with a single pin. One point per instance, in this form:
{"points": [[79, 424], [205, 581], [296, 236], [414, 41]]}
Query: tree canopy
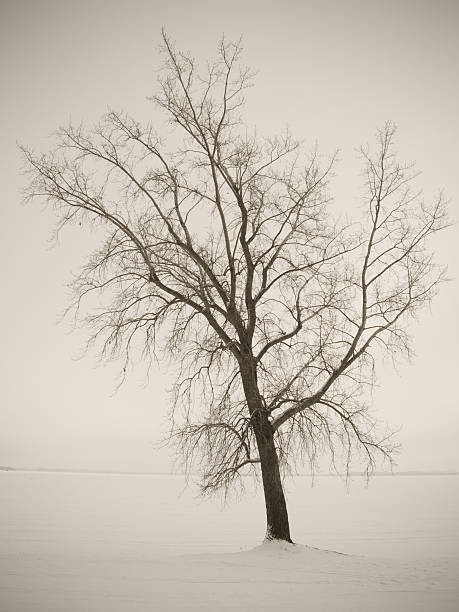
{"points": [[221, 248]]}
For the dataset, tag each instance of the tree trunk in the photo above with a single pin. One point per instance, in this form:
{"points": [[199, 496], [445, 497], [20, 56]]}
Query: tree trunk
{"points": [[277, 523]]}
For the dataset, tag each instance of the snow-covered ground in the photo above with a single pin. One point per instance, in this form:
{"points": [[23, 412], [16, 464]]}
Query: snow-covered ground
{"points": [[122, 543]]}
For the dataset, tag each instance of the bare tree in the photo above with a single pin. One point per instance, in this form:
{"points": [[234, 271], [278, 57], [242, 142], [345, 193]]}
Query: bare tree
{"points": [[274, 312]]}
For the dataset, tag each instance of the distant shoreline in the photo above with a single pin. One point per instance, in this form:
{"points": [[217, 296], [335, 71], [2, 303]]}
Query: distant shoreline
{"points": [[303, 475]]}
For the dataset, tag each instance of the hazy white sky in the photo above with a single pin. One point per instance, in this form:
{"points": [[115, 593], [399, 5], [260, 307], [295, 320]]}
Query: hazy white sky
{"points": [[332, 71]]}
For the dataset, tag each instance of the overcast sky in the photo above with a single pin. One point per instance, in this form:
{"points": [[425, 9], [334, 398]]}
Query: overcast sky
{"points": [[332, 71]]}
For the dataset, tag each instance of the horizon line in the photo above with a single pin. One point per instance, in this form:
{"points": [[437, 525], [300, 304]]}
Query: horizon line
{"points": [[164, 473]]}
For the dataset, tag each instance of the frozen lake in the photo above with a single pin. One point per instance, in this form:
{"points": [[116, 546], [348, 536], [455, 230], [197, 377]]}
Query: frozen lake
{"points": [[70, 542]]}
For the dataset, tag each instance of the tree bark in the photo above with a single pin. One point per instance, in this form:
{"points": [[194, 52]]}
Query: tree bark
{"points": [[277, 523]]}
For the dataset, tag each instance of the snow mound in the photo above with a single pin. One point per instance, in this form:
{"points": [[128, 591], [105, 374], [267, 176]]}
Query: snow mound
{"points": [[278, 547]]}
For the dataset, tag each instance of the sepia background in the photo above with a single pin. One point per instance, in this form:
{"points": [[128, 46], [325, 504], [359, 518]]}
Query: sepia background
{"points": [[333, 72]]}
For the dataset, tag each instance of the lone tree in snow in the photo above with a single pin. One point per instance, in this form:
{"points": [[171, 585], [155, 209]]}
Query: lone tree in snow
{"points": [[274, 311]]}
